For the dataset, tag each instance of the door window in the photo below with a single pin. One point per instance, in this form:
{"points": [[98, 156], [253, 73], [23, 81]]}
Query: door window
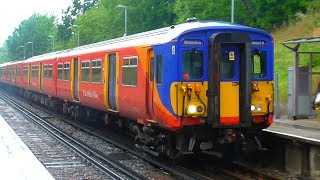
{"points": [[227, 65]]}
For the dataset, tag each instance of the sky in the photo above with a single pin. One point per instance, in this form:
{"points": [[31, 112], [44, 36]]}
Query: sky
{"points": [[13, 12]]}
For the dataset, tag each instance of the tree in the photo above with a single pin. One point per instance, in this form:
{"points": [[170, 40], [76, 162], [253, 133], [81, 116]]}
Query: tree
{"points": [[36, 29], [208, 10], [68, 19], [270, 14], [3, 54]]}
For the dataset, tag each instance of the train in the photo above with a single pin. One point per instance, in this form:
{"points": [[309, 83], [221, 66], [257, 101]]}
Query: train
{"points": [[189, 88]]}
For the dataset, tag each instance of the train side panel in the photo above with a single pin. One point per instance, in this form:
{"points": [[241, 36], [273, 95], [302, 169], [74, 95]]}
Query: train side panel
{"points": [[132, 84], [63, 78], [49, 78], [91, 80]]}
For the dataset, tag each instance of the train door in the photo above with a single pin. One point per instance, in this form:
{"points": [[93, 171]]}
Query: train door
{"points": [[229, 83], [41, 76], [112, 80], [75, 79], [15, 75], [29, 76], [150, 84], [230, 66], [10, 74]]}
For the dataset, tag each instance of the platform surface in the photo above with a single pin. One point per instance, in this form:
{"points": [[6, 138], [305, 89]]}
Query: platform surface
{"points": [[308, 129], [16, 159]]}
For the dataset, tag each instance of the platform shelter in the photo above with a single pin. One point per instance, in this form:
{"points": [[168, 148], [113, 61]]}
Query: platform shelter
{"points": [[303, 77]]}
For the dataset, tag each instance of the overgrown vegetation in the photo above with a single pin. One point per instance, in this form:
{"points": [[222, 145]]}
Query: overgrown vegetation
{"points": [[305, 25]]}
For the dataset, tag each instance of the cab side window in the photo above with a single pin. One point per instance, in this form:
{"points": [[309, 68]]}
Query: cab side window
{"points": [[159, 70], [259, 64]]}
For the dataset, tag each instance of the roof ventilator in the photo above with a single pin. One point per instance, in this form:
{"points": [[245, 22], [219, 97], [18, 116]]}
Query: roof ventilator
{"points": [[191, 19]]}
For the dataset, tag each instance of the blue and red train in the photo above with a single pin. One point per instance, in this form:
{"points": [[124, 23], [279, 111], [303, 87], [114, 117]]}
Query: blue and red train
{"points": [[180, 89]]}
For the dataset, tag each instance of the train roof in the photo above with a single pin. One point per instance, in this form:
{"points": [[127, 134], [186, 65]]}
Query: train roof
{"points": [[159, 36], [9, 63], [154, 37]]}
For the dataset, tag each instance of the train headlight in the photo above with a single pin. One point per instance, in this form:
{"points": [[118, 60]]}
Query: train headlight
{"points": [[192, 109], [259, 107], [253, 107]]}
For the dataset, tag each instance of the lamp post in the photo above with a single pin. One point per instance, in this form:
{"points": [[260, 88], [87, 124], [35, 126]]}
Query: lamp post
{"points": [[24, 52], [125, 17], [30, 42], [232, 11], [50, 36], [78, 27]]}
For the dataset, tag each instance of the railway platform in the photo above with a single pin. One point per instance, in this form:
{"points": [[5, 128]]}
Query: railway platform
{"points": [[298, 145], [305, 130], [16, 160]]}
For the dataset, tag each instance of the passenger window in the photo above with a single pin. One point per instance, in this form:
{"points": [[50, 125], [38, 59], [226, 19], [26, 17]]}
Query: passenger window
{"points": [[66, 71], [18, 71], [50, 71], [45, 71], [34, 71], [25, 71], [96, 71], [192, 64], [85, 71], [259, 64], [129, 71], [60, 69]]}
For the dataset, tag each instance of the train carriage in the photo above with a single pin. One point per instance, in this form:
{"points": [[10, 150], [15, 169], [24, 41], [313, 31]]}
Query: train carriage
{"points": [[185, 87], [91, 81]]}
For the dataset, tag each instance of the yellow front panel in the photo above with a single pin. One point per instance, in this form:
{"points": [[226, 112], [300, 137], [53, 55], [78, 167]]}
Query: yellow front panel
{"points": [[177, 94], [229, 99], [263, 96]]}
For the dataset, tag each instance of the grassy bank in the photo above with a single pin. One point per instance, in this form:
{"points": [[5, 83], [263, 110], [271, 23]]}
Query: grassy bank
{"points": [[307, 25]]}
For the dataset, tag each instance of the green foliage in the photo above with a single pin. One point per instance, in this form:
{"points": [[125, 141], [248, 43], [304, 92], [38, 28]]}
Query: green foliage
{"points": [[209, 10], [270, 14], [68, 19], [3, 54], [36, 29]]}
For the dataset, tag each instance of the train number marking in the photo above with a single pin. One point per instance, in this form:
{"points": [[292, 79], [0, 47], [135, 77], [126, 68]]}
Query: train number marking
{"points": [[256, 98]]}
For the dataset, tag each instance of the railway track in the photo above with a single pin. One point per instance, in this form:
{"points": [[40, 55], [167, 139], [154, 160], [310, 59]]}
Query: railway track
{"points": [[82, 149], [239, 171], [167, 170]]}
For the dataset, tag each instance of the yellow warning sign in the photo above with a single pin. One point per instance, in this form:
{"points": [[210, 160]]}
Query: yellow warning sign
{"points": [[231, 55]]}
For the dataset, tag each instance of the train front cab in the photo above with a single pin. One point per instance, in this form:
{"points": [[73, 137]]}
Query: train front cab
{"points": [[226, 87]]}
